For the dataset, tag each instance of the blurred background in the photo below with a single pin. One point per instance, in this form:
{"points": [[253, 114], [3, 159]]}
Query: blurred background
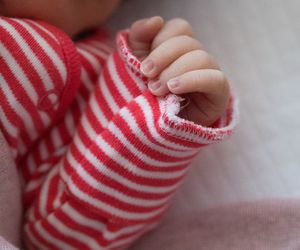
{"points": [[257, 44]]}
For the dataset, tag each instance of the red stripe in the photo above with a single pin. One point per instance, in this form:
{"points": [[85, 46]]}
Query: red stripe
{"points": [[122, 124], [110, 199], [157, 114], [108, 161], [122, 71], [85, 230], [55, 45], [69, 240], [134, 108], [40, 53], [111, 86], [53, 192], [135, 159], [35, 232], [96, 53], [108, 214]]}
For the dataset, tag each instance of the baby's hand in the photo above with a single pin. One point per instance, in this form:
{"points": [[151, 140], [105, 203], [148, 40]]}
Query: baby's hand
{"points": [[176, 62]]}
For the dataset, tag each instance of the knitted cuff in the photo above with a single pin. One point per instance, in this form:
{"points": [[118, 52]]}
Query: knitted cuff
{"points": [[170, 107]]}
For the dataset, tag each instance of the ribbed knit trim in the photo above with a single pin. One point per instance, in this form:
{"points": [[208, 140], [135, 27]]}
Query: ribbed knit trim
{"points": [[73, 66]]}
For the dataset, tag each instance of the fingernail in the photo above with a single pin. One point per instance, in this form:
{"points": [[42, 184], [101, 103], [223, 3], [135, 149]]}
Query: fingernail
{"points": [[154, 85], [147, 66], [149, 21], [154, 18], [173, 83]]}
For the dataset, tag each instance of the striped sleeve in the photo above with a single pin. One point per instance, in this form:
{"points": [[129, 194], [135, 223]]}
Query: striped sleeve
{"points": [[129, 155], [37, 65]]}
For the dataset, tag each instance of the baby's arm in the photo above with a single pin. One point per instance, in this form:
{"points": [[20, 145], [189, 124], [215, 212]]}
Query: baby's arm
{"points": [[130, 154]]}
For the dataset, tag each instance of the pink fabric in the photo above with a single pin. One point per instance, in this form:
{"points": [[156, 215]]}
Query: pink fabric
{"points": [[257, 225], [4, 245], [10, 196]]}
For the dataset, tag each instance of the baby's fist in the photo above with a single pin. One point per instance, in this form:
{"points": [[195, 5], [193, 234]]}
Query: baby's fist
{"points": [[175, 61]]}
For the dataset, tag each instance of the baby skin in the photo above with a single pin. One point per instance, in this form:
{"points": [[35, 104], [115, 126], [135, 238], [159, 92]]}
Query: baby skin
{"points": [[99, 134], [173, 59]]}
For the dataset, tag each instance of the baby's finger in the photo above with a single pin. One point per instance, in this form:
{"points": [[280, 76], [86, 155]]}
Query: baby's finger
{"points": [[193, 60], [172, 28], [142, 33], [166, 53], [207, 81]]}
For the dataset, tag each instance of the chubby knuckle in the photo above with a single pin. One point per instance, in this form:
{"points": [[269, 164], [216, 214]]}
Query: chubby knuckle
{"points": [[196, 78], [186, 38], [222, 82], [202, 55], [164, 49], [182, 24], [188, 41], [172, 71]]}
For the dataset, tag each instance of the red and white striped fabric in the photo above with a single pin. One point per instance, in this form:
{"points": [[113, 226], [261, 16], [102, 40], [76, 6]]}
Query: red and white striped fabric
{"points": [[100, 155]]}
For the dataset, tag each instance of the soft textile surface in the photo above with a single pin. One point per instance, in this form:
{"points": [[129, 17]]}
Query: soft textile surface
{"points": [[263, 226], [10, 199]]}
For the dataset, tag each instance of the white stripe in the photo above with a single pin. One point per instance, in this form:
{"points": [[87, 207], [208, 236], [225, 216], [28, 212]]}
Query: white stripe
{"points": [[107, 171], [96, 184], [56, 138], [112, 210], [34, 23], [70, 123], [66, 231], [18, 72], [81, 102], [93, 50], [45, 191], [86, 81], [9, 127], [43, 151], [126, 241], [30, 164], [91, 59], [147, 110], [127, 164], [31, 57], [107, 95], [135, 129], [125, 230], [18, 108], [53, 240], [22, 148], [122, 88], [30, 215], [97, 225], [34, 184], [60, 191], [140, 154], [53, 56], [14, 152], [97, 111], [139, 82], [44, 167], [81, 219], [32, 238]]}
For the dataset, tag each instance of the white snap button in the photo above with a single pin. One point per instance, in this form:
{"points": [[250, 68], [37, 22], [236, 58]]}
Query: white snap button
{"points": [[49, 101]]}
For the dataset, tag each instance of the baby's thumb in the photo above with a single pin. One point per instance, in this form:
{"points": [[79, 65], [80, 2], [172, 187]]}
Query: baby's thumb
{"points": [[142, 33]]}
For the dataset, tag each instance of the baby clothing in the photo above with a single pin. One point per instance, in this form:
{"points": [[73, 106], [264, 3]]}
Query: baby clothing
{"points": [[99, 155]]}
